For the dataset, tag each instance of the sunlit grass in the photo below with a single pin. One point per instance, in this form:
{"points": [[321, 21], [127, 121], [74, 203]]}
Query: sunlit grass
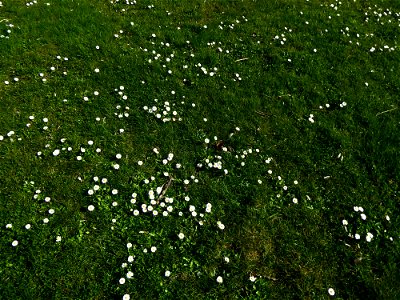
{"points": [[202, 150]]}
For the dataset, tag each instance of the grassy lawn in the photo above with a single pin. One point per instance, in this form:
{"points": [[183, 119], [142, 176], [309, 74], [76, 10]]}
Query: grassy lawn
{"points": [[223, 149]]}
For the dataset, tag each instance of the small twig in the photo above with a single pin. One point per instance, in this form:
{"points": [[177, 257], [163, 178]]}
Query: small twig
{"points": [[271, 278], [386, 111], [240, 59], [4, 20], [287, 95], [261, 113], [165, 188]]}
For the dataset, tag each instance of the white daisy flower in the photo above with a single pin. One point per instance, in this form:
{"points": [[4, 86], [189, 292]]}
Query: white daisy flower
{"points": [[220, 225]]}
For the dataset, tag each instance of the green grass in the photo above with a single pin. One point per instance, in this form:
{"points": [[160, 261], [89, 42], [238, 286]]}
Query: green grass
{"points": [[282, 118]]}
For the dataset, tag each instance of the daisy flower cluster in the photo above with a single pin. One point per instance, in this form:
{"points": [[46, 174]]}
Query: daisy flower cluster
{"points": [[5, 30], [121, 112], [165, 58], [157, 199], [101, 192], [181, 64], [168, 111], [65, 149], [128, 265], [219, 156], [231, 25], [31, 3], [281, 38], [121, 91], [57, 69], [151, 195], [219, 48], [213, 161], [133, 211], [376, 16], [44, 202], [122, 5], [359, 226], [44, 212], [11, 136], [44, 123], [212, 71], [161, 56], [381, 16], [286, 192], [326, 107], [87, 98]]}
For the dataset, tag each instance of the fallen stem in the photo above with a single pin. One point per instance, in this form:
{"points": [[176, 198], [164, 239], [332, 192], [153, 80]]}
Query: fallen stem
{"points": [[271, 278], [240, 59], [386, 111], [165, 188], [261, 113]]}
